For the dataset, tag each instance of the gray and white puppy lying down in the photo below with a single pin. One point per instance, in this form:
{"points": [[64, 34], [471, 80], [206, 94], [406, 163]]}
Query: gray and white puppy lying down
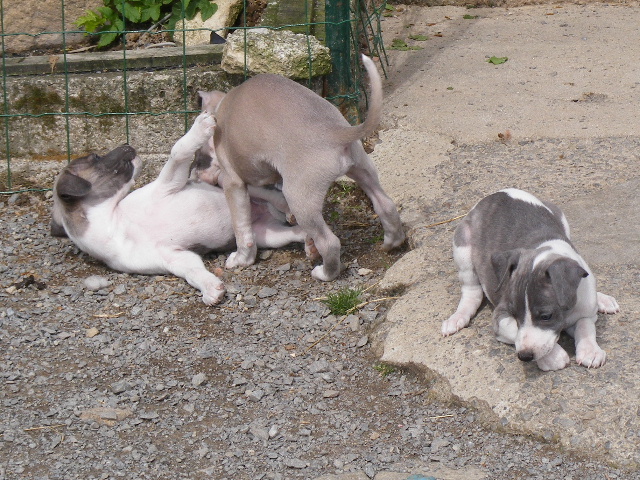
{"points": [[157, 228], [515, 249], [271, 130]]}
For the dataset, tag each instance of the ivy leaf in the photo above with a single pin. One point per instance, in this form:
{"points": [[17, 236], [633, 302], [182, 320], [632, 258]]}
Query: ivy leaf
{"points": [[152, 12], [107, 38], [498, 60], [91, 21], [207, 9]]}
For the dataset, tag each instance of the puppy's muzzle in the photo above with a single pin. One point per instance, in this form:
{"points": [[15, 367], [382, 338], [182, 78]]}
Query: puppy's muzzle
{"points": [[525, 356]]}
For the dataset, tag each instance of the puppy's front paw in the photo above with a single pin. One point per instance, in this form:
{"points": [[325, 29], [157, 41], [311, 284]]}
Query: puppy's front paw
{"points": [[607, 304], [590, 356], [241, 259], [557, 359], [455, 323], [203, 126]]}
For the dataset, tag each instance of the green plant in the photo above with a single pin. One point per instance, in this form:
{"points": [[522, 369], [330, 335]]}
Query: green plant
{"points": [[109, 21], [344, 301], [384, 368], [376, 239], [399, 44]]}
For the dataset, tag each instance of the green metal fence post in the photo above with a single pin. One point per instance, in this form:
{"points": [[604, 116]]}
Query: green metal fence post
{"points": [[339, 81], [5, 98]]}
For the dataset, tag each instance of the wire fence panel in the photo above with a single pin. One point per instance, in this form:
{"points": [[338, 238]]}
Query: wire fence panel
{"points": [[69, 101]]}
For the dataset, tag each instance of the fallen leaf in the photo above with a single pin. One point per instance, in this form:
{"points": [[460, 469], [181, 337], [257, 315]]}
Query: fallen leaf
{"points": [[498, 60]]}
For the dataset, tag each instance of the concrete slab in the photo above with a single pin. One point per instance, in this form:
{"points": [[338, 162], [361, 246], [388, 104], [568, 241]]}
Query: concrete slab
{"points": [[565, 105]]}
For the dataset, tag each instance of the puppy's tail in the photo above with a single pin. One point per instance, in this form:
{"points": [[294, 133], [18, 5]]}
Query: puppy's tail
{"points": [[374, 113]]}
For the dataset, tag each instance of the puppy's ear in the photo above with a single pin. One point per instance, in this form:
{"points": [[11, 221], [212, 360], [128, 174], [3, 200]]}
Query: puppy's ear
{"points": [[565, 275], [71, 187], [209, 101], [504, 263], [57, 229]]}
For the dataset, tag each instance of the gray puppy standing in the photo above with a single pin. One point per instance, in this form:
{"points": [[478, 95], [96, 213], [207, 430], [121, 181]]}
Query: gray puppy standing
{"points": [[271, 130], [515, 249]]}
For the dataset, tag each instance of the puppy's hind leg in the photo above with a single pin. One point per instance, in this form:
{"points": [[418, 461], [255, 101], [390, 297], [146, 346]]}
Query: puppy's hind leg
{"points": [[365, 175], [188, 265], [472, 293], [305, 202]]}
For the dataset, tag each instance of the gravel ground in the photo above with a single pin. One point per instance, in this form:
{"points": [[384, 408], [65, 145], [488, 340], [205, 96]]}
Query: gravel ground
{"points": [[107, 375]]}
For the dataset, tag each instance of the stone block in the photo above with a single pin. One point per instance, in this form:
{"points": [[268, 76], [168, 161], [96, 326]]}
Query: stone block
{"points": [[275, 51], [225, 17]]}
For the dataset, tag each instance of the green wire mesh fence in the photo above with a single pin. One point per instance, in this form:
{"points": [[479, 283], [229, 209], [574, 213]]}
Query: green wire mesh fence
{"points": [[347, 27]]}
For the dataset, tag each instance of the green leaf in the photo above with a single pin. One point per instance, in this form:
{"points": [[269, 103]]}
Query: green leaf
{"points": [[207, 9], [132, 13], [91, 21], [418, 37], [151, 12], [107, 39], [498, 60], [470, 17]]}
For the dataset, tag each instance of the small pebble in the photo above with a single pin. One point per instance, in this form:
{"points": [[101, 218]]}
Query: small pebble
{"points": [[96, 282]]}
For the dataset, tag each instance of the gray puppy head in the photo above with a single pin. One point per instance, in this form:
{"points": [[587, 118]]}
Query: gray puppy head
{"points": [[539, 294], [89, 181]]}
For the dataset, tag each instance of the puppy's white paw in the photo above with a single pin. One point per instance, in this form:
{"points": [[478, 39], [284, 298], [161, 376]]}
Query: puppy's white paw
{"points": [[590, 356], [556, 359], [393, 240], [214, 295], [455, 323], [607, 304], [203, 126], [241, 259], [319, 273]]}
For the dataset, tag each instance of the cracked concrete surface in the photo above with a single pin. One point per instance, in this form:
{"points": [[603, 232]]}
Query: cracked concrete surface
{"points": [[559, 119]]}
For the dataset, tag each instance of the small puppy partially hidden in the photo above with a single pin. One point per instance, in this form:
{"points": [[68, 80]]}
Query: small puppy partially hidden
{"points": [[515, 249], [271, 130], [158, 228]]}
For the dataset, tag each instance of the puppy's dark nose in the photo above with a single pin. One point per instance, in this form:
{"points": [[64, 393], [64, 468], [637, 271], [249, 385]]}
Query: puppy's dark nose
{"points": [[525, 356]]}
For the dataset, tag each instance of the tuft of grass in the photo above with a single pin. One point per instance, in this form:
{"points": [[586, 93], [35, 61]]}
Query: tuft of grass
{"points": [[399, 44], [384, 369], [344, 301], [376, 239]]}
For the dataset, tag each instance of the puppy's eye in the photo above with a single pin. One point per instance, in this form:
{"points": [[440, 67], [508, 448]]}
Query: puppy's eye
{"points": [[545, 317]]}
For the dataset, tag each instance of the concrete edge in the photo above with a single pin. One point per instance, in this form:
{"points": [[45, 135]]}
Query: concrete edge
{"points": [[167, 57]]}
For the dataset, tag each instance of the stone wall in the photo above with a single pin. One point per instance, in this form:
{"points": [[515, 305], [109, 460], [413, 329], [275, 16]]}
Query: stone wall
{"points": [[37, 16]]}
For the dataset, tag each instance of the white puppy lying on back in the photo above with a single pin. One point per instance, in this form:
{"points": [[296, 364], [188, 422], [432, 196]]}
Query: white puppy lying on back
{"points": [[158, 228]]}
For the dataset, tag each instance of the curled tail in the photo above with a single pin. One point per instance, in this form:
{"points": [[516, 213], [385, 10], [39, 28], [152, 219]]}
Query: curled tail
{"points": [[374, 112]]}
